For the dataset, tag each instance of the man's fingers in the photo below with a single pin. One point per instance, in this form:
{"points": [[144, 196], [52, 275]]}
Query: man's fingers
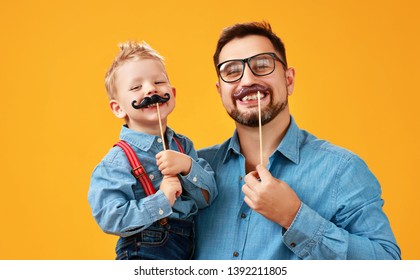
{"points": [[251, 178], [249, 202], [263, 172], [248, 192]]}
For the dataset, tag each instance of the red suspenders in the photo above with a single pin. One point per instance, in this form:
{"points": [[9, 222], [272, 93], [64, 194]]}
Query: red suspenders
{"points": [[138, 169]]}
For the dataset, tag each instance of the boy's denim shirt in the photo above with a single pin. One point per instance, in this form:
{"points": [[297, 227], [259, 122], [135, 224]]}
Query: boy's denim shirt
{"points": [[117, 199]]}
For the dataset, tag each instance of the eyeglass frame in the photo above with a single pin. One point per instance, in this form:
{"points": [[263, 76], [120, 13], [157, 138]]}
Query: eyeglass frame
{"points": [[246, 60]]}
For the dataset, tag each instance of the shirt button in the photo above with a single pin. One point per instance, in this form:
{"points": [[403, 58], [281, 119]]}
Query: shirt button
{"points": [[243, 215], [235, 254], [293, 244], [195, 179], [160, 211], [151, 177], [159, 140], [240, 178]]}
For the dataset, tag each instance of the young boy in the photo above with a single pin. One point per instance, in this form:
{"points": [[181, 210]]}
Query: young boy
{"points": [[184, 182]]}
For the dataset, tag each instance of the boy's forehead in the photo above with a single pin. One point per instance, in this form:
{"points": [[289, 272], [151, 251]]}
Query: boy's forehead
{"points": [[139, 69], [142, 66]]}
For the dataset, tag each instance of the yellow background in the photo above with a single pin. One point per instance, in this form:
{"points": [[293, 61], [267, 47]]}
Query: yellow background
{"points": [[357, 85]]}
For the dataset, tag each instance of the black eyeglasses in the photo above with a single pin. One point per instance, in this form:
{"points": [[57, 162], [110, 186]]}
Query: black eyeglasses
{"points": [[260, 64]]}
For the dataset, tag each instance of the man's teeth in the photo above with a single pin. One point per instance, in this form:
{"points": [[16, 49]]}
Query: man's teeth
{"points": [[252, 97]]}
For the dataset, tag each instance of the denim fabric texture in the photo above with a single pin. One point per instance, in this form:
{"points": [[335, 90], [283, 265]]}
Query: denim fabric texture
{"points": [[118, 201], [341, 215], [173, 241]]}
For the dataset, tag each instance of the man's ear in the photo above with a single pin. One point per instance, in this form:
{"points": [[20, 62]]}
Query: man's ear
{"points": [[218, 87], [116, 109], [290, 80]]}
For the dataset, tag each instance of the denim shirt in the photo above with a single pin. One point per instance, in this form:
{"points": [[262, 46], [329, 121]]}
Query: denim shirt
{"points": [[118, 201], [340, 217]]}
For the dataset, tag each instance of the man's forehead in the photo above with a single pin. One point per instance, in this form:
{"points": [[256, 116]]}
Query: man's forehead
{"points": [[240, 48]]}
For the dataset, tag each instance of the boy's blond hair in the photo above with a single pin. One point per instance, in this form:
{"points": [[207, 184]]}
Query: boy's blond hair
{"points": [[129, 51]]}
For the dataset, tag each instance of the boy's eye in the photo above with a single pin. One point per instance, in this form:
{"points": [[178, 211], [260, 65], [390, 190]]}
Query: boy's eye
{"points": [[136, 87], [159, 82]]}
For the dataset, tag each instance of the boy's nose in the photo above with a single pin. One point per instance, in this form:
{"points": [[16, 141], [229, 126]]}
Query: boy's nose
{"points": [[151, 89]]}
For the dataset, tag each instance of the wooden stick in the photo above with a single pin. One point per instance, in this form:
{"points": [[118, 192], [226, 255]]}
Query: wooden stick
{"points": [[160, 126], [260, 127]]}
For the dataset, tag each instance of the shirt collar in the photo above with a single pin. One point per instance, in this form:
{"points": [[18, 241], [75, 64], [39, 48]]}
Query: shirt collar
{"points": [[233, 147], [289, 146], [142, 140]]}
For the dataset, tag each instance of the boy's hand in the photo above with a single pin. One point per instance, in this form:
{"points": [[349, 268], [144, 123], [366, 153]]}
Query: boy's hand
{"points": [[173, 163], [171, 188]]}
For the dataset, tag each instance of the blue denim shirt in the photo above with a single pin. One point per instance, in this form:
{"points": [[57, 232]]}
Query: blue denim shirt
{"points": [[118, 202], [340, 217]]}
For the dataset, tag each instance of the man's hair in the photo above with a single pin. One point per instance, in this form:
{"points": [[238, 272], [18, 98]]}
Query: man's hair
{"points": [[241, 30], [129, 51]]}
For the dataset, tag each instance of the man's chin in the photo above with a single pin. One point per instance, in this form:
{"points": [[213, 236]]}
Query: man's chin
{"points": [[250, 120]]}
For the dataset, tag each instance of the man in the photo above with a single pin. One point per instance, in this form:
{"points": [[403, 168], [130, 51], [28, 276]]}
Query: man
{"points": [[309, 199]]}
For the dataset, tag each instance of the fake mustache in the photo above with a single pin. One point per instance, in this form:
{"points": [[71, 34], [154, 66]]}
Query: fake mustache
{"points": [[252, 89], [147, 101]]}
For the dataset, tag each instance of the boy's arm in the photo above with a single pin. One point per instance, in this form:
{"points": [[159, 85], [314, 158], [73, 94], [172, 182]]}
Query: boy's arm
{"points": [[196, 174], [114, 205], [200, 183]]}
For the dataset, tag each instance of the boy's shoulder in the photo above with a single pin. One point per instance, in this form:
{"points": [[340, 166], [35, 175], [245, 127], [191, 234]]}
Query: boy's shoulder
{"points": [[115, 156]]}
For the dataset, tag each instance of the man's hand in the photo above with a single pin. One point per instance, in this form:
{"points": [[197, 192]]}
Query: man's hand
{"points": [[171, 187], [173, 163], [271, 197]]}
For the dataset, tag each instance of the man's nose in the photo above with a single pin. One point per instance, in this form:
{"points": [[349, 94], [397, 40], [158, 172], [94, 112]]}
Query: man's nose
{"points": [[248, 77]]}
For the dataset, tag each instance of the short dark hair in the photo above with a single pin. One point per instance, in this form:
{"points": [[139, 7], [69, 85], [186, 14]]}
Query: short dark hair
{"points": [[241, 30]]}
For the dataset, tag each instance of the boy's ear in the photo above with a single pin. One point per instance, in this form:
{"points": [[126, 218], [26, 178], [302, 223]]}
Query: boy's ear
{"points": [[116, 109], [174, 91]]}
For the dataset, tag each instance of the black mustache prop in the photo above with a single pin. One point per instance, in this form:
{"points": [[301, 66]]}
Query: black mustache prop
{"points": [[147, 101]]}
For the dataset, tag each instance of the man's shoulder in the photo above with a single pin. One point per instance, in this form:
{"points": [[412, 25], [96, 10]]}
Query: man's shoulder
{"points": [[324, 148], [209, 153]]}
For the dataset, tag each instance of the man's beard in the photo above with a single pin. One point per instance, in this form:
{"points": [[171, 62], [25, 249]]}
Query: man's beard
{"points": [[251, 119]]}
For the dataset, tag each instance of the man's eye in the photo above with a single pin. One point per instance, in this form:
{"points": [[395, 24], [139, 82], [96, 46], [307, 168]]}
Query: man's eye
{"points": [[261, 64], [233, 70]]}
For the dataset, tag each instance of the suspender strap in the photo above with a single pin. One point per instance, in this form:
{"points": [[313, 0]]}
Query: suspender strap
{"points": [[137, 169], [180, 149]]}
